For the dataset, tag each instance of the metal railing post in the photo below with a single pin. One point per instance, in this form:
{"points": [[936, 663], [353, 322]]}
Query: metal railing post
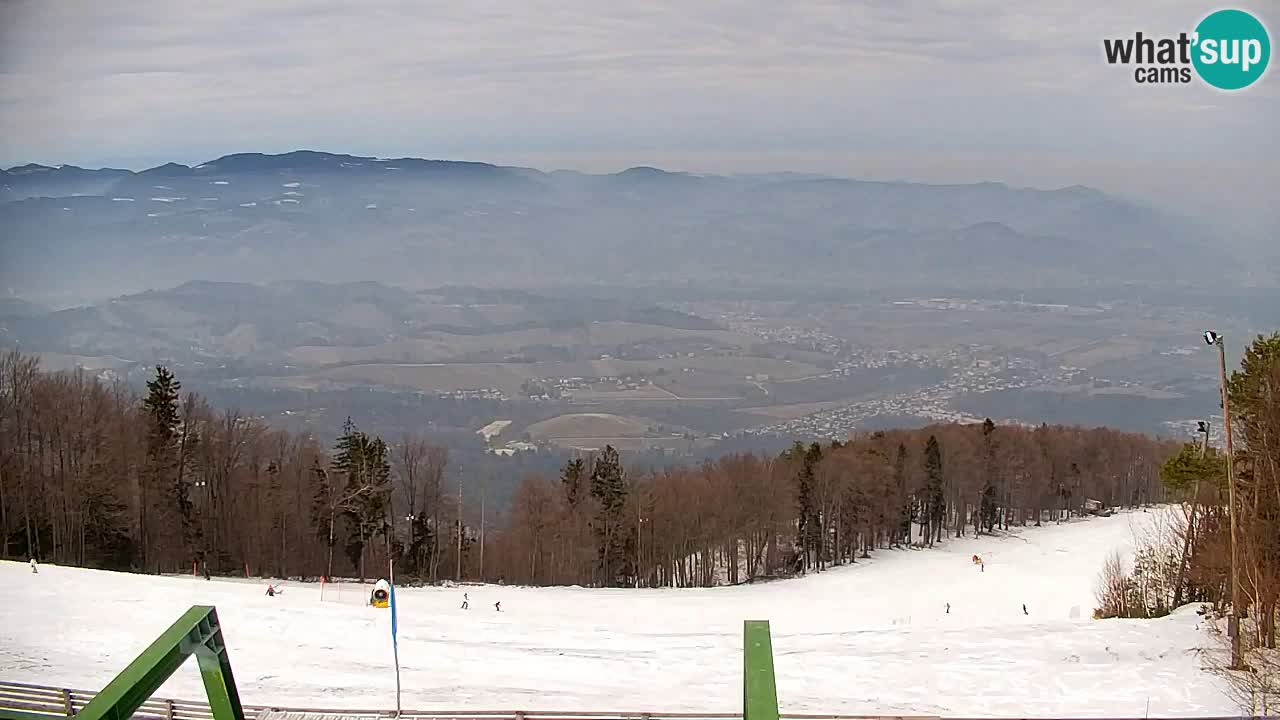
{"points": [[759, 687]]}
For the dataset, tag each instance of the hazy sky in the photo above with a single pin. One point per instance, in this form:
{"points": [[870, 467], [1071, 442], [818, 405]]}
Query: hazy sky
{"points": [[933, 90]]}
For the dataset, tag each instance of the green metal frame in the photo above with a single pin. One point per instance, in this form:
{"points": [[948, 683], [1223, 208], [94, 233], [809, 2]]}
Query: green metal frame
{"points": [[759, 688], [197, 633]]}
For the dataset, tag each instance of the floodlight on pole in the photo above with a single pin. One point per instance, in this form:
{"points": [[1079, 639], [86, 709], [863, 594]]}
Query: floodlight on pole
{"points": [[1233, 624]]}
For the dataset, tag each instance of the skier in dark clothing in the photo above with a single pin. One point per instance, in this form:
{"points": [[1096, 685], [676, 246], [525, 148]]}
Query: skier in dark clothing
{"points": [[271, 591], [498, 606], [465, 604], [1024, 609]]}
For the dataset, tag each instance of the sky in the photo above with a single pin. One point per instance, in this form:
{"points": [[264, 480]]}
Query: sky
{"points": [[925, 90]]}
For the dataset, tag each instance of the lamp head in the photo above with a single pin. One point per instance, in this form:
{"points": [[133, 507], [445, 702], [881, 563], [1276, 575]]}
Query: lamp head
{"points": [[1211, 337]]}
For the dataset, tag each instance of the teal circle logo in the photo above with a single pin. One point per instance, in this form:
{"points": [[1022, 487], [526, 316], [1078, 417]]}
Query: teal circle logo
{"points": [[1232, 49]]}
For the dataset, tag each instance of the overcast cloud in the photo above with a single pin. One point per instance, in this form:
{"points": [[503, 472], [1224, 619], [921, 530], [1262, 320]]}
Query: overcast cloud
{"points": [[933, 90]]}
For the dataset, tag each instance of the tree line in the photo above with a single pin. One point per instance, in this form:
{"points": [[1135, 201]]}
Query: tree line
{"points": [[93, 474], [746, 517]]}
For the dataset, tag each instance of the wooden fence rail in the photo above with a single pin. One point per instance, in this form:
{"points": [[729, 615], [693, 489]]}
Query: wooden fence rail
{"points": [[56, 702]]}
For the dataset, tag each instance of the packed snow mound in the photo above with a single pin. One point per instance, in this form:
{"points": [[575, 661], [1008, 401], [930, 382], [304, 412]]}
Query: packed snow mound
{"points": [[871, 638]]}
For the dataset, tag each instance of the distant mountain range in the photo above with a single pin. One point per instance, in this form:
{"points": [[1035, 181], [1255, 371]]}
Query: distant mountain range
{"points": [[73, 234], [219, 321]]}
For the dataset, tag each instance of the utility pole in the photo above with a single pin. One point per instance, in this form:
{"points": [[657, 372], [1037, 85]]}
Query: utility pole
{"points": [[639, 536], [458, 569], [483, 492], [1233, 623]]}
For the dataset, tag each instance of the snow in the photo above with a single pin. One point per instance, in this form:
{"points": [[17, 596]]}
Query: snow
{"points": [[122, 199], [249, 204], [292, 184], [221, 182], [493, 429], [871, 638]]}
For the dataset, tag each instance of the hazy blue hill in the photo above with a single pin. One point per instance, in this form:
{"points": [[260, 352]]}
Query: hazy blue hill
{"points": [[326, 217]]}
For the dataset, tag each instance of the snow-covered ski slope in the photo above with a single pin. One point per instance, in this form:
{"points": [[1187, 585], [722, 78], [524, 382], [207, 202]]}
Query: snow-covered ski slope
{"points": [[871, 638]]}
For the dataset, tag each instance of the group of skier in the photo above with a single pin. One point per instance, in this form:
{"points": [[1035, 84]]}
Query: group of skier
{"points": [[272, 591], [1024, 609], [466, 603], [982, 567]]}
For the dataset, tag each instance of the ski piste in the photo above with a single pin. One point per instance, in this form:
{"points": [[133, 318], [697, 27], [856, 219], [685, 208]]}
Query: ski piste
{"points": [[660, 650]]}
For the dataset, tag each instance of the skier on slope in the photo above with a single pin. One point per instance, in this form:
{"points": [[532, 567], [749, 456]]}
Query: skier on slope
{"points": [[498, 606], [464, 601], [33, 566], [271, 591]]}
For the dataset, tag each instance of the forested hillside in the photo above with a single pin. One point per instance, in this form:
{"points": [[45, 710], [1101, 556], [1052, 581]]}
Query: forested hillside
{"points": [[745, 517], [94, 475]]}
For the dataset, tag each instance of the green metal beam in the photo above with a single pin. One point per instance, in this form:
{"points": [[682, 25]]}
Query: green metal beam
{"points": [[197, 633], [759, 688]]}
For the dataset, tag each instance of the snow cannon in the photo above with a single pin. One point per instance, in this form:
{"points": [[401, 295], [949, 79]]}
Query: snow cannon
{"points": [[381, 595]]}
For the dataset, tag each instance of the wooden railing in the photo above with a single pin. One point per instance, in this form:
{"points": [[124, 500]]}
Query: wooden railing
{"points": [[65, 702], [55, 702]]}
